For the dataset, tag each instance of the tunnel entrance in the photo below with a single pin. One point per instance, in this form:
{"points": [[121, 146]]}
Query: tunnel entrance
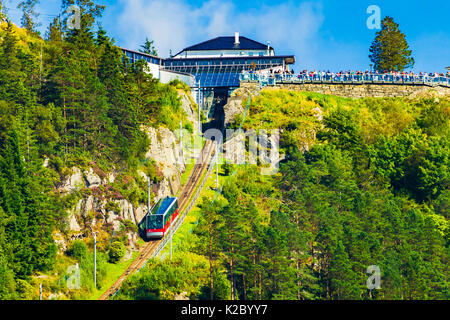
{"points": [[218, 99]]}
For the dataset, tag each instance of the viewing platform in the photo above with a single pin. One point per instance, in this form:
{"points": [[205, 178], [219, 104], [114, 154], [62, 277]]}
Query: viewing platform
{"points": [[286, 78]]}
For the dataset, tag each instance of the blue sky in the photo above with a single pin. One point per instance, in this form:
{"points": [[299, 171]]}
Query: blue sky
{"points": [[325, 34]]}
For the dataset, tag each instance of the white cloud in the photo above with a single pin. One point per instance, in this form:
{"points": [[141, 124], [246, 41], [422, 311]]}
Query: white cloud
{"points": [[177, 24]]}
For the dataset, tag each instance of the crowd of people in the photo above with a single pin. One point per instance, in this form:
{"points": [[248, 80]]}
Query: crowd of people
{"points": [[354, 75], [315, 73]]}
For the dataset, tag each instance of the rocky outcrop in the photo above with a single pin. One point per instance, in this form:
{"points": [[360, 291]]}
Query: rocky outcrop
{"points": [[99, 206], [90, 208], [232, 108], [73, 181], [187, 104], [165, 150], [92, 179], [234, 104]]}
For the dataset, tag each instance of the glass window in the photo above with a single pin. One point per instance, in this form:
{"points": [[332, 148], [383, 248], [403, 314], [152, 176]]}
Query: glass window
{"points": [[155, 221]]}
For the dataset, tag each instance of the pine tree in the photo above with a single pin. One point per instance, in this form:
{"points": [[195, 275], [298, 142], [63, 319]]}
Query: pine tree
{"points": [[207, 231], [390, 51], [2, 11], [343, 280], [148, 48], [231, 235], [54, 32], [29, 14], [89, 11]]}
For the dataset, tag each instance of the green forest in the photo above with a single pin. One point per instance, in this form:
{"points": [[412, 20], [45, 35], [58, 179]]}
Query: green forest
{"points": [[364, 183], [67, 98]]}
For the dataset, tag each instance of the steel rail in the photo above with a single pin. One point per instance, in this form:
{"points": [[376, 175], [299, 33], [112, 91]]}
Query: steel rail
{"points": [[153, 248]]}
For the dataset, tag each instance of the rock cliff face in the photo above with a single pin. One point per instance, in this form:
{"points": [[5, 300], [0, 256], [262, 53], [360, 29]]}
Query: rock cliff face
{"points": [[191, 111], [98, 206], [234, 105]]}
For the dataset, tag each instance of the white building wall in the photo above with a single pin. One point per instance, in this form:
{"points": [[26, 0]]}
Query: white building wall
{"points": [[154, 70], [223, 53], [167, 76]]}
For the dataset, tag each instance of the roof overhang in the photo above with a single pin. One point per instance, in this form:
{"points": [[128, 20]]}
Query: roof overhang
{"points": [[288, 59], [141, 53]]}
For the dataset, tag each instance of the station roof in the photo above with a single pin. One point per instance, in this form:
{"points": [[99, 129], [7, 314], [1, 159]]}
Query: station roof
{"points": [[227, 43], [289, 59]]}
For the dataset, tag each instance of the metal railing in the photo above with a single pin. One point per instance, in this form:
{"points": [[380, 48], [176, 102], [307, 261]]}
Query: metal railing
{"points": [[272, 79]]}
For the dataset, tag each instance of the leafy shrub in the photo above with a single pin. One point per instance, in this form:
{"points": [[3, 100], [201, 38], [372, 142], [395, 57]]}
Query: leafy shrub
{"points": [[56, 163], [77, 250], [130, 225], [151, 170], [112, 206], [188, 127], [116, 252]]}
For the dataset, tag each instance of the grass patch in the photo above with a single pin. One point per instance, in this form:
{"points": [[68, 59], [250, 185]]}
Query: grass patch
{"points": [[114, 271], [181, 239]]}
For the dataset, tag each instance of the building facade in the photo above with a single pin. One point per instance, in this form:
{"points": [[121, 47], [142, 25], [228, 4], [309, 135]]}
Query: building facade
{"points": [[217, 63], [156, 68], [212, 68]]}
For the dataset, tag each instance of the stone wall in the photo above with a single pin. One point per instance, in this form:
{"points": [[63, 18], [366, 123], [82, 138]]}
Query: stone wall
{"points": [[358, 90]]}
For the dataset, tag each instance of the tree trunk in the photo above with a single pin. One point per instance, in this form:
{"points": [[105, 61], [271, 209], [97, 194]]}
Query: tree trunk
{"points": [[255, 278], [233, 291], [211, 278], [65, 128], [260, 286], [245, 288], [298, 279]]}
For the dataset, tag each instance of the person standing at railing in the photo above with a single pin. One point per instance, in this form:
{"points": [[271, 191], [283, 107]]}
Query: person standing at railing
{"points": [[394, 77]]}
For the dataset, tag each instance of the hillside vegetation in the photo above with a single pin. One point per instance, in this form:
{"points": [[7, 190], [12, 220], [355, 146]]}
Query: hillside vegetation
{"points": [[364, 182], [68, 100]]}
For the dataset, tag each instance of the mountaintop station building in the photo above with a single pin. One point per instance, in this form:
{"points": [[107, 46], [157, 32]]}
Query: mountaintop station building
{"points": [[217, 63], [212, 67]]}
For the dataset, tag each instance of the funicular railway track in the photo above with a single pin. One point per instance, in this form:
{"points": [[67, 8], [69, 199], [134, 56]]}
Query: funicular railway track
{"points": [[186, 194]]}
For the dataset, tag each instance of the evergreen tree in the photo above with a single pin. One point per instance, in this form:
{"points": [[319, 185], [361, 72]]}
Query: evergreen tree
{"points": [[54, 32], [207, 230], [390, 51], [231, 232], [343, 280], [30, 227], [2, 11], [89, 11], [148, 48], [29, 14]]}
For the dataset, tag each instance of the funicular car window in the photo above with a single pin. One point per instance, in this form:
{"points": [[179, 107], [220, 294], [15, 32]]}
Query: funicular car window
{"points": [[155, 222]]}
